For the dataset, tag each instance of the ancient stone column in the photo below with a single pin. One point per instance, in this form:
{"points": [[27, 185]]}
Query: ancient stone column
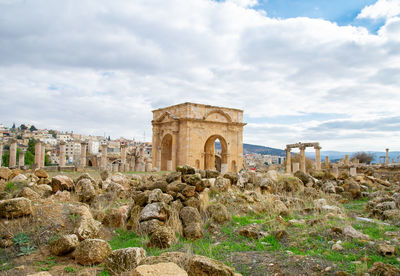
{"points": [[149, 167], [133, 163], [169, 165], [62, 159], [21, 159], [38, 152], [115, 167], [302, 158], [224, 168], [327, 162], [317, 157], [174, 149], [103, 161], [42, 154], [13, 154], [296, 167], [387, 157], [288, 161], [346, 160], [124, 147], [159, 158], [353, 171], [82, 162], [1, 152]]}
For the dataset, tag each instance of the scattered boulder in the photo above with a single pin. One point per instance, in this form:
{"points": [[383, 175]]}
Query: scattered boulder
{"points": [[15, 207], [64, 245], [193, 231], [382, 269], [62, 183], [20, 178], [218, 213], [290, 184], [185, 169], [222, 184], [353, 233], [162, 237], [86, 226], [85, 190], [122, 260], [179, 258], [5, 173], [92, 251], [386, 250], [203, 266], [252, 231], [157, 210], [212, 174], [189, 215], [41, 173], [165, 269], [28, 193]]}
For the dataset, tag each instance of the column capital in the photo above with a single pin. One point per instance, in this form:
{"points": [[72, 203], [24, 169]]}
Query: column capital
{"points": [[84, 142], [302, 147], [62, 143], [317, 147]]}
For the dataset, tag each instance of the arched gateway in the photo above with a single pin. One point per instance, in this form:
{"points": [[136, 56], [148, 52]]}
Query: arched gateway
{"points": [[186, 134]]}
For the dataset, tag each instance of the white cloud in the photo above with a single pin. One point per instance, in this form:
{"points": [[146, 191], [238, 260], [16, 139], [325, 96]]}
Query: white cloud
{"points": [[97, 67], [244, 3], [381, 9]]}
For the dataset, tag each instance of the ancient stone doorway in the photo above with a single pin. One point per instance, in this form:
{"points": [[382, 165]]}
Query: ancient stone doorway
{"points": [[212, 160], [90, 164], [166, 153]]}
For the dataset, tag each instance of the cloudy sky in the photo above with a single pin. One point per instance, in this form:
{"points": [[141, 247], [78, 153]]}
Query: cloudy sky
{"points": [[302, 70]]}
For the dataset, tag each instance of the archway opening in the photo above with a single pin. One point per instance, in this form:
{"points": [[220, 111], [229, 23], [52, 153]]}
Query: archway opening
{"points": [[90, 164], [166, 153], [216, 154]]}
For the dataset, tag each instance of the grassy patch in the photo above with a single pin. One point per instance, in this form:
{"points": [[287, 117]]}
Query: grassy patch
{"points": [[374, 230], [47, 264], [10, 187], [357, 206]]}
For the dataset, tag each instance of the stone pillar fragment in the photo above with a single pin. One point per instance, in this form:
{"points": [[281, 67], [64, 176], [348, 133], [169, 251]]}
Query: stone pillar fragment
{"points": [[103, 161], [288, 161], [21, 159], [42, 154], [13, 154], [38, 153], [302, 159], [296, 167], [124, 148], [353, 171], [149, 167], [169, 165], [174, 149], [387, 157], [159, 158], [346, 160], [82, 161], [327, 162], [62, 159], [317, 157], [335, 171]]}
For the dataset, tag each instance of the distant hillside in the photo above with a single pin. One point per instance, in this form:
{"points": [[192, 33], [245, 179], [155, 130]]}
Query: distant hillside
{"points": [[249, 149]]}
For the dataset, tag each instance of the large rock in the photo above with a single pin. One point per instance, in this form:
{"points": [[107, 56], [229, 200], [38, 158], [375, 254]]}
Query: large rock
{"points": [[218, 213], [382, 269], [189, 215], [212, 174], [155, 195], [116, 190], [86, 226], [92, 251], [116, 217], [353, 233], [164, 269], [85, 190], [174, 176], [64, 245], [353, 188], [162, 237], [43, 189], [203, 266], [28, 193], [191, 179], [122, 260], [5, 173], [148, 227], [178, 258], [193, 231], [304, 177], [20, 178], [41, 173], [222, 184], [157, 210], [121, 179], [62, 183], [185, 169], [189, 191], [15, 207], [290, 184]]}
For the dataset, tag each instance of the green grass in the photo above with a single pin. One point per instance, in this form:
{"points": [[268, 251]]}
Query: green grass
{"points": [[10, 187], [357, 206], [375, 230], [47, 264], [70, 269]]}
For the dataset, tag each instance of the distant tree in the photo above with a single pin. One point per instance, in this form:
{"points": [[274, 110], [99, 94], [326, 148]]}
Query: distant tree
{"points": [[31, 146], [13, 126], [109, 138], [363, 157], [47, 161], [23, 127], [19, 136], [33, 128], [53, 133]]}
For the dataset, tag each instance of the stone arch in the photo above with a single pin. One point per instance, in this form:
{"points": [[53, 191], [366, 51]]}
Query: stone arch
{"points": [[209, 150], [166, 153], [90, 164], [218, 111]]}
